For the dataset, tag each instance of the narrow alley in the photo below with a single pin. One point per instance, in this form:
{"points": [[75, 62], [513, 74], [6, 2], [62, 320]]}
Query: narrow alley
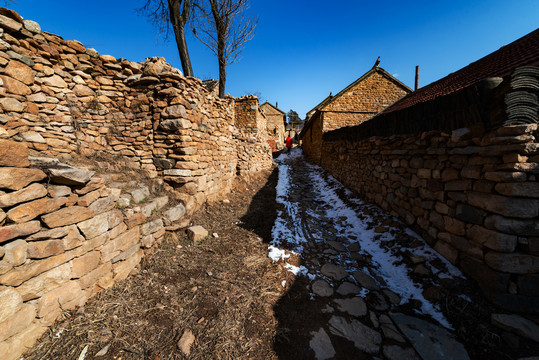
{"points": [[365, 272]]}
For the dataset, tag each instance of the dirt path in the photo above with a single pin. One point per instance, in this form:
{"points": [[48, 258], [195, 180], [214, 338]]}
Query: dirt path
{"points": [[357, 293]]}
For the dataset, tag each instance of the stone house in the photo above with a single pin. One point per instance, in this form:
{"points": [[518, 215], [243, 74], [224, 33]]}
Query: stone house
{"points": [[356, 103], [276, 121]]}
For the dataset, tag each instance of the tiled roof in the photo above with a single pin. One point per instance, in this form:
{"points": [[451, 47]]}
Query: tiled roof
{"points": [[524, 51], [273, 106]]}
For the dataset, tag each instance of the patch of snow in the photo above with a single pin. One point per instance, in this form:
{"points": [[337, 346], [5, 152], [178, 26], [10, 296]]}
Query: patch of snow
{"points": [[277, 254]]}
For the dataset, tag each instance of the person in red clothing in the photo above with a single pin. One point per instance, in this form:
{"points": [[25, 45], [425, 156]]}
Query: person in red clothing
{"points": [[288, 143]]}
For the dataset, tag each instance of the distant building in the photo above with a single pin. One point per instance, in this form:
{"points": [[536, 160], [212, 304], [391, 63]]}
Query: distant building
{"points": [[358, 102], [275, 125]]}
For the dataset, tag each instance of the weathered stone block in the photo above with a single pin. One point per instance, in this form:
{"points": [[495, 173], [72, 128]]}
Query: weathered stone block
{"points": [[18, 230], [512, 207], [93, 278], [70, 176], [197, 233], [151, 227], [31, 192], [13, 154], [15, 252], [492, 239], [13, 347], [512, 226], [44, 249], [33, 209], [95, 226], [447, 251], [67, 297], [122, 269], [469, 214], [56, 191], [67, 216], [523, 189], [134, 219], [83, 265], [89, 198], [18, 322], [44, 282], [513, 263], [13, 178], [10, 303]]}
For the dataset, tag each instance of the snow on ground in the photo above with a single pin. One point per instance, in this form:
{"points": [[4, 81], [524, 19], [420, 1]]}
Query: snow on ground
{"points": [[289, 232]]}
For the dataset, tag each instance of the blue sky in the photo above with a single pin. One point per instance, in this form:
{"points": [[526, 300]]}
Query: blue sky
{"points": [[305, 49]]}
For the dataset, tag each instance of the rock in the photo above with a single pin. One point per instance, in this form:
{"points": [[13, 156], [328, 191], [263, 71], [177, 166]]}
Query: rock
{"points": [[336, 272], [175, 213], [84, 264], [33, 136], [31, 192], [354, 306], [363, 337], [18, 230], [516, 324], [56, 191], [13, 154], [365, 280], [70, 175], [175, 124], [54, 81], [377, 301], [9, 24], [15, 252], [20, 72], [492, 239], [336, 245], [104, 204], [321, 288], [389, 330], [10, 302], [513, 263], [140, 195], [321, 345], [11, 104], [440, 344], [67, 216], [31, 210], [185, 342], [17, 178], [197, 233], [507, 206], [348, 288], [18, 322], [156, 225], [393, 298], [82, 90], [14, 86], [32, 26], [394, 352], [95, 226]]}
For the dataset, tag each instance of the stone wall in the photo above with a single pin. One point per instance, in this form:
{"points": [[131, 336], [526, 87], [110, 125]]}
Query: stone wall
{"points": [[472, 193], [364, 98], [254, 152], [64, 236], [61, 98], [275, 125]]}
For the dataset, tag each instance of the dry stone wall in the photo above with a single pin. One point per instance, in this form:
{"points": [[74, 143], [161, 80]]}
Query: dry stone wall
{"points": [[64, 233], [472, 193], [64, 236], [61, 98], [251, 136]]}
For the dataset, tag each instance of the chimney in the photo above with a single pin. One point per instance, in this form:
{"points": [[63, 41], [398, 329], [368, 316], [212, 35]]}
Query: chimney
{"points": [[416, 78], [276, 104]]}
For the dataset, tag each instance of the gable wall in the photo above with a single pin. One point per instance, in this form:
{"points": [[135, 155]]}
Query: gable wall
{"points": [[361, 102]]}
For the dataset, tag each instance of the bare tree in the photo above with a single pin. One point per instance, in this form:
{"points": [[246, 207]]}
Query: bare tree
{"points": [[162, 14], [224, 28]]}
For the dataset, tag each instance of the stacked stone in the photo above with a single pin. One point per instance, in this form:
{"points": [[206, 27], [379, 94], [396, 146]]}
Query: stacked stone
{"points": [[275, 126], [473, 194], [59, 97], [254, 153], [63, 238]]}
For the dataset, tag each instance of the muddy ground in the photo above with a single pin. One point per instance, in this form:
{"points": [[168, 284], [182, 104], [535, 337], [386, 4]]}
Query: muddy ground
{"points": [[228, 293]]}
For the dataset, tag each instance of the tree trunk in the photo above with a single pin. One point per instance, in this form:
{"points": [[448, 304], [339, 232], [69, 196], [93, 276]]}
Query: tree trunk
{"points": [[178, 20], [222, 69]]}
